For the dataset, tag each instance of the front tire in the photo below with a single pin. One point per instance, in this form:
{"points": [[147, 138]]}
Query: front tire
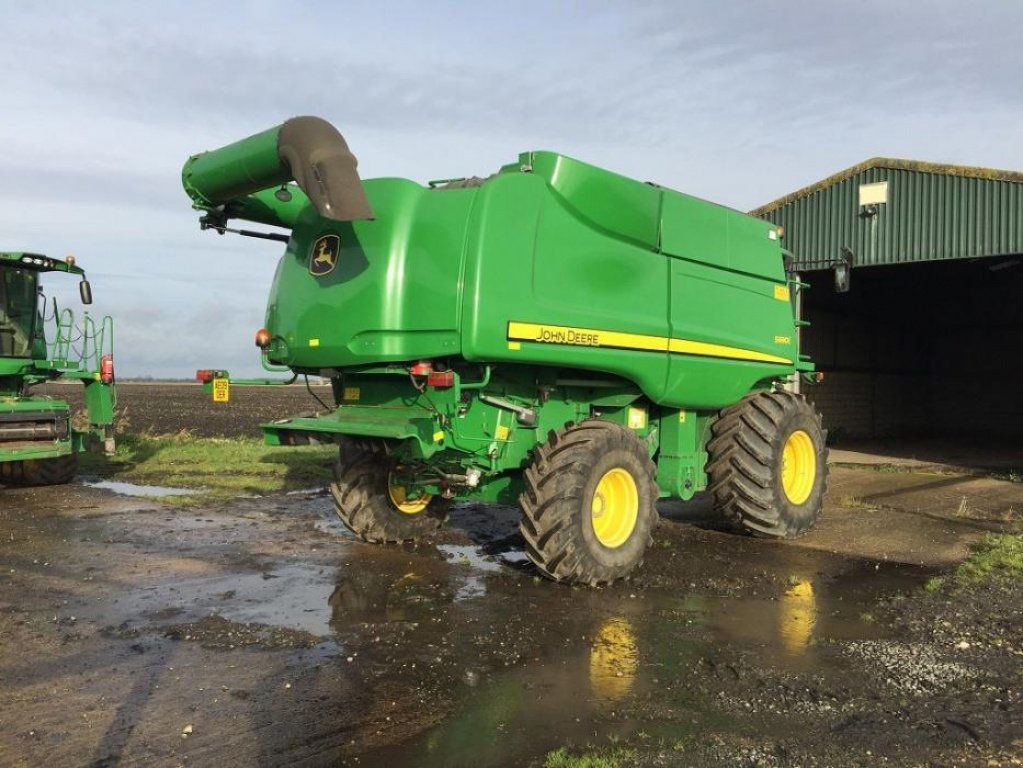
{"points": [[768, 465], [588, 506], [375, 509]]}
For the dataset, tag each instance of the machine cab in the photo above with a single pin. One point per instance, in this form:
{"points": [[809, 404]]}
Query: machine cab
{"points": [[19, 314]]}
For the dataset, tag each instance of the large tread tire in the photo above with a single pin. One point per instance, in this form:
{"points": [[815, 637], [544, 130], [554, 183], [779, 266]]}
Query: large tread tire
{"points": [[59, 470], [363, 502], [745, 463], [557, 518]]}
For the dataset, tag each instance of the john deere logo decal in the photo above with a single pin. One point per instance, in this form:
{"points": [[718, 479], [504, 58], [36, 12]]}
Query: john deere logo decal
{"points": [[323, 255]]}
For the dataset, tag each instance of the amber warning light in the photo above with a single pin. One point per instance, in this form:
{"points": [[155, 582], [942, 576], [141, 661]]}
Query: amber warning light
{"points": [[262, 338]]}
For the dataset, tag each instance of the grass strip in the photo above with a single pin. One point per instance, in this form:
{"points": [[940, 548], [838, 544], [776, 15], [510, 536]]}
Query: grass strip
{"points": [[217, 468]]}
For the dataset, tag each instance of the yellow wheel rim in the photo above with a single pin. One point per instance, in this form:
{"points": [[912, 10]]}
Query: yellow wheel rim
{"points": [[614, 508], [401, 501], [798, 467]]}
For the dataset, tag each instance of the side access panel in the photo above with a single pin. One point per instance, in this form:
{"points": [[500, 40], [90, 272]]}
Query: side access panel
{"points": [[543, 287]]}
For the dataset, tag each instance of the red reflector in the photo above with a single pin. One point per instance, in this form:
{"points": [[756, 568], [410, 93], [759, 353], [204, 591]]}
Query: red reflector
{"points": [[820, 376], [205, 375], [422, 368], [441, 379], [106, 369]]}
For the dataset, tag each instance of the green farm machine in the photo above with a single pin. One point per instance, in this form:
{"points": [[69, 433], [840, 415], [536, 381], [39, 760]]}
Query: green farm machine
{"points": [[38, 437], [554, 335]]}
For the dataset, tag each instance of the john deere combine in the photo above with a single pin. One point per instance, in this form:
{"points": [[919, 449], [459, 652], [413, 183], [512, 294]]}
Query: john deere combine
{"points": [[38, 440], [554, 334]]}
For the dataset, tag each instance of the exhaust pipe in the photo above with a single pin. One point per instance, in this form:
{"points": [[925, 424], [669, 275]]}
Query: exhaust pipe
{"points": [[307, 150]]}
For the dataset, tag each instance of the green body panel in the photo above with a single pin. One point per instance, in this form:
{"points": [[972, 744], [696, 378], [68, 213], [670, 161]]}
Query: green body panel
{"points": [[559, 288], [253, 163], [443, 272], [34, 426]]}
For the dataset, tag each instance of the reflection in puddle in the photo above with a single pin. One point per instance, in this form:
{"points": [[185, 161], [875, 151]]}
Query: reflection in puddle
{"points": [[375, 597], [473, 558], [614, 659], [514, 556], [513, 717], [798, 616], [147, 491], [469, 556]]}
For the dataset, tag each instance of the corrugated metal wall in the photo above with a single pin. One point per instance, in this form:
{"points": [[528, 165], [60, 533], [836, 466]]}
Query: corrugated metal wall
{"points": [[928, 216]]}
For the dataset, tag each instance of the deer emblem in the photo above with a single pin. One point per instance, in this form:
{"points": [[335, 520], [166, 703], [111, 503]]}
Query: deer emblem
{"points": [[324, 255]]}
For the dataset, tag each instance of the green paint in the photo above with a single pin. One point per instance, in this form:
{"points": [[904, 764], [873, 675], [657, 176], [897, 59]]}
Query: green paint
{"points": [[571, 291]]}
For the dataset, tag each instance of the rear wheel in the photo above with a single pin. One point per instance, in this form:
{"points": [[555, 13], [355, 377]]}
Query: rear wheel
{"points": [[588, 506], [374, 507], [59, 470], [767, 464]]}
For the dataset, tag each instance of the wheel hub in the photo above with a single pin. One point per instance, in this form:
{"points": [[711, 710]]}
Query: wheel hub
{"points": [[401, 501], [798, 467], [615, 507]]}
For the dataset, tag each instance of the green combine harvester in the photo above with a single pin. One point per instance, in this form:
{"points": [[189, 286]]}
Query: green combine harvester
{"points": [[38, 439], [555, 335]]}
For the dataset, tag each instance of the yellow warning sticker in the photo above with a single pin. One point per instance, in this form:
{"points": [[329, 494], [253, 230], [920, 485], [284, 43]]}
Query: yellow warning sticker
{"points": [[351, 393], [781, 292], [438, 436], [514, 346], [502, 432], [681, 417], [637, 418], [221, 390], [314, 342]]}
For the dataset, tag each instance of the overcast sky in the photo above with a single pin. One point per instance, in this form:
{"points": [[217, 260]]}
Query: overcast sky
{"points": [[737, 102]]}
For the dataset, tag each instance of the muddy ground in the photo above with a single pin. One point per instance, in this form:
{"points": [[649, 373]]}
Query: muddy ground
{"points": [[257, 632]]}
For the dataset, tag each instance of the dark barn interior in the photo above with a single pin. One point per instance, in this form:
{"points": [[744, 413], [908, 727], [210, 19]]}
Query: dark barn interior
{"points": [[919, 350]]}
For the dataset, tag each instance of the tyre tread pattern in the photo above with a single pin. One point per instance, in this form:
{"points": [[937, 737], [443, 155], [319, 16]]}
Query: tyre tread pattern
{"points": [[59, 470], [553, 489], [360, 499], [742, 455]]}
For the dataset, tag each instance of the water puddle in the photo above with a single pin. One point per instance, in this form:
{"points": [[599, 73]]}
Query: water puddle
{"points": [[562, 698], [295, 596], [652, 666], [469, 556], [142, 491], [476, 563]]}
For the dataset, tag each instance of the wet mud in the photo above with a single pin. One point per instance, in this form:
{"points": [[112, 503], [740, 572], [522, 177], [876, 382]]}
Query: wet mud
{"points": [[259, 632]]}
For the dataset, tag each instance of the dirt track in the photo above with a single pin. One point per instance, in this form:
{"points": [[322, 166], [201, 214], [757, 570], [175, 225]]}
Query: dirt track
{"points": [[258, 633]]}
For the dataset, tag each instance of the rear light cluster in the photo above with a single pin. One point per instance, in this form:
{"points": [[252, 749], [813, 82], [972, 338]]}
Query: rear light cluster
{"points": [[106, 369], [441, 379], [206, 375], [438, 379]]}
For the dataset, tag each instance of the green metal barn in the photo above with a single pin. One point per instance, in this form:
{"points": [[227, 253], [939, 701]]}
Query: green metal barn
{"points": [[926, 343]]}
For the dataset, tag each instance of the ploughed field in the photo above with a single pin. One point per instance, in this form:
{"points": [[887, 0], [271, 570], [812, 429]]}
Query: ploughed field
{"points": [[165, 407]]}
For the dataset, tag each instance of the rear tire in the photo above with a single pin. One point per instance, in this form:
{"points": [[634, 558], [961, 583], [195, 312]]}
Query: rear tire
{"points": [[588, 506], [59, 470], [768, 465], [372, 509]]}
